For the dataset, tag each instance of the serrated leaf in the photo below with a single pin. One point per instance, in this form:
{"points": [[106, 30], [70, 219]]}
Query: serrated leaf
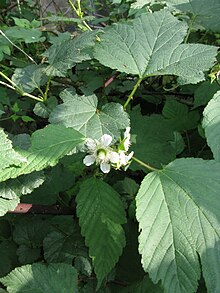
{"points": [[60, 247], [65, 55], [8, 257], [143, 286], [8, 205], [28, 254], [153, 138], [8, 157], [81, 113], [151, 45], [100, 209], [211, 124], [204, 93], [41, 278], [48, 146], [206, 15], [30, 77], [178, 215], [179, 115], [22, 185]]}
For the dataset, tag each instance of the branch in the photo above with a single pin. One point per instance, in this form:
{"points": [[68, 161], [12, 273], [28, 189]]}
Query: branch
{"points": [[25, 208]]}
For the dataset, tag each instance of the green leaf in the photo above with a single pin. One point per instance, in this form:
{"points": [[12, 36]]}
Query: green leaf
{"points": [[48, 146], [41, 278], [65, 55], [211, 124], [8, 257], [101, 214], [22, 185], [152, 139], [25, 34], [178, 215], [204, 93], [205, 14], [143, 286], [179, 115], [60, 247], [8, 157], [8, 205], [151, 45], [81, 113], [28, 254], [30, 77]]}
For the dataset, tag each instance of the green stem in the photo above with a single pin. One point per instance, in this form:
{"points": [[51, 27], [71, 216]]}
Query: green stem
{"points": [[32, 97], [130, 97], [190, 28], [14, 87], [13, 44], [144, 164], [47, 89], [79, 13]]}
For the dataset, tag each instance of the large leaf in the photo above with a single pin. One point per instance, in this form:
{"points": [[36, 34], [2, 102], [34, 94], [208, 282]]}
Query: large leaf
{"points": [[65, 55], [205, 14], [101, 214], [211, 124], [178, 215], [22, 185], [48, 146], [151, 45], [41, 278], [29, 77], [81, 113], [8, 157]]}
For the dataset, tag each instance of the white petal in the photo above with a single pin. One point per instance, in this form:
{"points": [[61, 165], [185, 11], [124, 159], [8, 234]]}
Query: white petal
{"points": [[127, 132], [89, 160], [105, 167], [123, 160], [91, 144], [130, 156], [106, 140], [113, 157]]}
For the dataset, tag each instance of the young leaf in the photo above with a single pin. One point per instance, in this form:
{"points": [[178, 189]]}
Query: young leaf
{"points": [[178, 215], [211, 124], [101, 214], [48, 146], [151, 45], [39, 278], [65, 55], [8, 157], [81, 113]]}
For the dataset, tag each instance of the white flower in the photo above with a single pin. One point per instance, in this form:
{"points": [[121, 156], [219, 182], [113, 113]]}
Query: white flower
{"points": [[127, 139], [101, 153], [125, 159]]}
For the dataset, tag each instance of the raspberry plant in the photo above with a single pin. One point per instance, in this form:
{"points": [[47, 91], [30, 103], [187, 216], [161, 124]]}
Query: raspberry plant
{"points": [[111, 135]]}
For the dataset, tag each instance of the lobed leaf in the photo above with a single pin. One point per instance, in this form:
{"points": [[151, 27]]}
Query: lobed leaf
{"points": [[81, 113], [151, 45]]}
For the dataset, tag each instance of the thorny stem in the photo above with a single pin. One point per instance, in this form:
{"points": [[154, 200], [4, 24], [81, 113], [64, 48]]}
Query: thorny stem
{"points": [[130, 97], [144, 164], [79, 13], [29, 57]]}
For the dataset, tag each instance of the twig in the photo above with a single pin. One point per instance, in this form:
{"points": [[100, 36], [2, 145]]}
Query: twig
{"points": [[130, 97], [24, 208], [13, 44]]}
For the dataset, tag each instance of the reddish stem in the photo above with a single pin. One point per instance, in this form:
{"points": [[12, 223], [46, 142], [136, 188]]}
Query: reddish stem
{"points": [[25, 208]]}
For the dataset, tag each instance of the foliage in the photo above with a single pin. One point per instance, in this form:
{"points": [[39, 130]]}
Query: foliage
{"points": [[128, 88]]}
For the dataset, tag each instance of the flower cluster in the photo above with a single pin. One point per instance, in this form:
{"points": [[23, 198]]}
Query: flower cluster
{"points": [[104, 154]]}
